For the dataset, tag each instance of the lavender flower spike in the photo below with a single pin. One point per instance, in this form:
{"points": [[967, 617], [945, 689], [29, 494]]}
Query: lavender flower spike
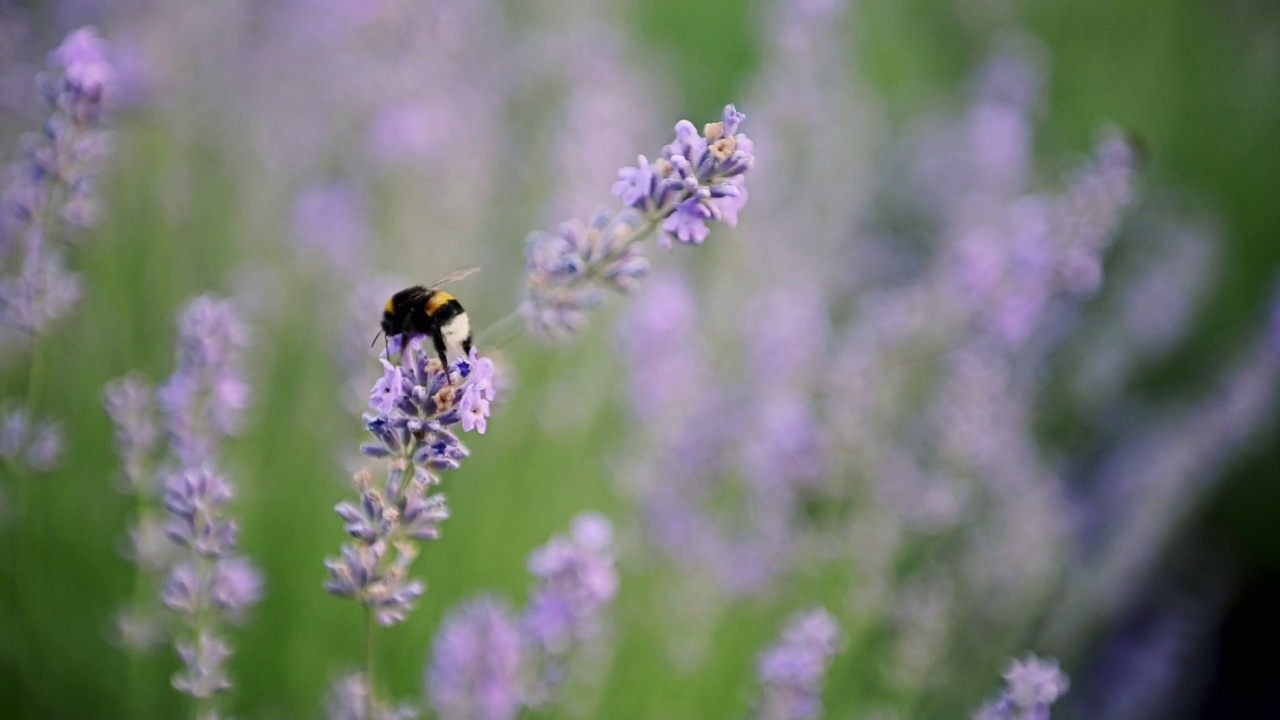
{"points": [[211, 586], [415, 408], [698, 178], [793, 671], [577, 581], [205, 398], [476, 664], [53, 186], [1033, 685], [188, 553]]}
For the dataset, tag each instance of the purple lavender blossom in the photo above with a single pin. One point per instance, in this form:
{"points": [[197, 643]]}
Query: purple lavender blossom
{"points": [[34, 445], [130, 402], [205, 398], [1033, 685], [570, 270], [206, 584], [413, 407], [204, 672], [577, 581], [210, 586], [794, 670], [697, 179], [53, 187], [475, 669]]}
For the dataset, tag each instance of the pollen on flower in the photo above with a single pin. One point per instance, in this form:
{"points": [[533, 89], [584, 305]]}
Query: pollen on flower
{"points": [[447, 396]]}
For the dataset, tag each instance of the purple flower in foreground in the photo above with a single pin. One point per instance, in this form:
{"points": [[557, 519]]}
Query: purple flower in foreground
{"points": [[476, 664], [414, 408], [794, 670], [697, 179], [1032, 686]]}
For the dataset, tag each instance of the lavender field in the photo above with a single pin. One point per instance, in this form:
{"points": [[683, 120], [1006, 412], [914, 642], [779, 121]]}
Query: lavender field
{"points": [[871, 361]]}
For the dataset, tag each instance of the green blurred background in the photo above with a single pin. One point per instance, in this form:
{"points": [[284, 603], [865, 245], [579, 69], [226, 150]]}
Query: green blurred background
{"points": [[1198, 83]]}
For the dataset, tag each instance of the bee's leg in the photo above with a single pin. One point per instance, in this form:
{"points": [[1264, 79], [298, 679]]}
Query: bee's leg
{"points": [[466, 346], [437, 339]]}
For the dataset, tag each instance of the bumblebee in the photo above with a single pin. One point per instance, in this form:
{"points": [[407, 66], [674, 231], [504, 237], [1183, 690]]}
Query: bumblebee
{"points": [[426, 310]]}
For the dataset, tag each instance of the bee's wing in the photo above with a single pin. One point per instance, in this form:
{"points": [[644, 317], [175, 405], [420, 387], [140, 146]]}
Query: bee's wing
{"points": [[454, 276]]}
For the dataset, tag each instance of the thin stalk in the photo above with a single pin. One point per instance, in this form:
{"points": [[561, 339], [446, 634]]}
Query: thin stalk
{"points": [[368, 661]]}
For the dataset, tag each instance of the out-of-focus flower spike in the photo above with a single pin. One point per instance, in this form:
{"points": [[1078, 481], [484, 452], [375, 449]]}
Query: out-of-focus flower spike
{"points": [[1032, 687], [697, 180], [794, 670]]}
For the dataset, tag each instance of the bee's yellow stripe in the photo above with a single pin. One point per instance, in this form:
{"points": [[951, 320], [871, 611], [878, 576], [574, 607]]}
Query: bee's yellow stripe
{"points": [[391, 305], [437, 299]]}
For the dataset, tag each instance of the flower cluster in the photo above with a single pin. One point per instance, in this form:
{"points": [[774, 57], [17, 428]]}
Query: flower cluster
{"points": [[211, 585], [576, 581], [204, 399], [415, 407], [794, 670], [50, 187], [489, 663], [476, 664], [1033, 685], [130, 401], [34, 445], [698, 178], [53, 185], [192, 545]]}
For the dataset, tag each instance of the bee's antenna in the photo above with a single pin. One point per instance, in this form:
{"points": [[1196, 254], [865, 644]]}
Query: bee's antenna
{"points": [[375, 339]]}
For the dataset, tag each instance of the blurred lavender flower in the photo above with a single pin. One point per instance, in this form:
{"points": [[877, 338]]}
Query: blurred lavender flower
{"points": [[414, 406], [206, 584], [698, 178], [577, 580], [487, 662], [131, 404], [794, 670], [52, 187], [703, 439], [1033, 685], [36, 446], [475, 670], [329, 221], [350, 699], [205, 398]]}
